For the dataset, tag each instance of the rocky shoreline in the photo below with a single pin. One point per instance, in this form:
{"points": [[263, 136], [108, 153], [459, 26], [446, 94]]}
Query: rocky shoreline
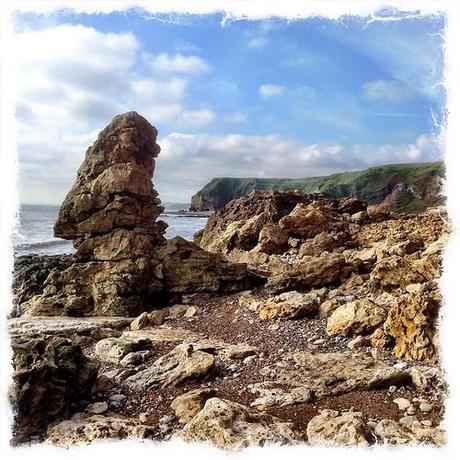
{"points": [[292, 318]]}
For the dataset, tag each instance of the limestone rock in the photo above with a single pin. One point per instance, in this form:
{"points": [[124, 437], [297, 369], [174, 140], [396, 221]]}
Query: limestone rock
{"points": [[290, 305], [412, 325], [231, 426], [305, 221], [110, 214], [332, 428], [49, 374], [84, 429], [391, 432], [356, 318], [187, 405], [312, 272], [272, 240], [181, 363], [378, 213], [188, 268], [333, 373], [270, 396], [240, 225], [114, 349]]}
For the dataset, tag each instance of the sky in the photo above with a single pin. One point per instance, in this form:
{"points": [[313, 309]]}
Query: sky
{"points": [[269, 98]]}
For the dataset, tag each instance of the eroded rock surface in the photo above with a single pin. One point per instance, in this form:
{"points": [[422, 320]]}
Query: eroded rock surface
{"points": [[49, 374], [232, 426]]}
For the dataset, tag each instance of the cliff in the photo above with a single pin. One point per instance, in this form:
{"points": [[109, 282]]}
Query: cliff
{"points": [[407, 187]]}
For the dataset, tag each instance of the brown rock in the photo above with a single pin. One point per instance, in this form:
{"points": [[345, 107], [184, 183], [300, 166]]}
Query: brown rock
{"points": [[187, 405], [305, 221], [272, 240], [412, 325], [49, 374], [290, 305], [229, 425], [356, 318], [181, 363], [378, 213]]}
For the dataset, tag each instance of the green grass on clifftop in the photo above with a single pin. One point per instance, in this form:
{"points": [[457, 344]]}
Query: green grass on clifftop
{"points": [[420, 182]]}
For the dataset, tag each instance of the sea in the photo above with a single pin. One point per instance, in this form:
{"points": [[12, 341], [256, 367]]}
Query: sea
{"points": [[34, 229]]}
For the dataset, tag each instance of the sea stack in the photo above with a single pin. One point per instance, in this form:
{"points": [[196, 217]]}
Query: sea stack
{"points": [[110, 214], [123, 265]]}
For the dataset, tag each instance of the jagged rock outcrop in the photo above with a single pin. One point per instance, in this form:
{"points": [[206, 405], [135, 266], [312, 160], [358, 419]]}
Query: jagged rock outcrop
{"points": [[240, 223], [110, 215], [49, 374], [123, 264], [411, 325]]}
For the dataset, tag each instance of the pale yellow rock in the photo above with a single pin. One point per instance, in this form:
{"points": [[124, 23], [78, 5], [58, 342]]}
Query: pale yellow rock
{"points": [[187, 405], [356, 318], [330, 428], [231, 426]]}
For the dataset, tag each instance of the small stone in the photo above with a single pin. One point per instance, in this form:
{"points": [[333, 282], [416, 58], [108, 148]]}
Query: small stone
{"points": [[191, 311], [143, 417], [319, 341], [274, 327], [425, 406], [249, 359], [98, 407], [402, 403], [408, 420], [426, 423], [410, 410], [117, 398], [393, 389], [400, 366]]}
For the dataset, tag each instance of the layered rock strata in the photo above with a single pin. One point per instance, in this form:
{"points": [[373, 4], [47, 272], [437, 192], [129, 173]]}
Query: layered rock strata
{"points": [[123, 264]]}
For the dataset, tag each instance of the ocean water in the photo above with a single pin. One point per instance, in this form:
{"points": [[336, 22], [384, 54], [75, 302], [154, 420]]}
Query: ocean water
{"points": [[34, 232]]}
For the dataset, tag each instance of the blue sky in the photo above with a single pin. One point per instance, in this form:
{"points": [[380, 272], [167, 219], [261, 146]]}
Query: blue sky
{"points": [[246, 98]]}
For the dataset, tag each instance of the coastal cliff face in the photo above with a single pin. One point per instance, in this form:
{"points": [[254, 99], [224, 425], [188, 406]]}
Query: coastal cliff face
{"points": [[406, 187]]}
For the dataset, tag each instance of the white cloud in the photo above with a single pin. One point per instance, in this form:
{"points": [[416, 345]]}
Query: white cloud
{"points": [[270, 90], [236, 117], [258, 42], [197, 117], [188, 161], [179, 64], [72, 80], [386, 91]]}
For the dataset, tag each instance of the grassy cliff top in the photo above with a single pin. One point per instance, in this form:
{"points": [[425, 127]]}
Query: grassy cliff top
{"points": [[370, 184]]}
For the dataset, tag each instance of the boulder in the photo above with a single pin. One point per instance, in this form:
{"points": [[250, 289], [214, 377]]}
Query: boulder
{"points": [[312, 272], [84, 429], [290, 305], [272, 240], [187, 405], [181, 363], [231, 426], [114, 349], [305, 221], [411, 325], [188, 269], [392, 432], [50, 373], [346, 429], [379, 212], [356, 318], [333, 373]]}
